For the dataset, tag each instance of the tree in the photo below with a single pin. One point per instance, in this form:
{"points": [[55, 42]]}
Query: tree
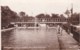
{"points": [[74, 18], [43, 16], [47, 16], [67, 13], [7, 16], [62, 16], [40, 15], [55, 16], [22, 14]]}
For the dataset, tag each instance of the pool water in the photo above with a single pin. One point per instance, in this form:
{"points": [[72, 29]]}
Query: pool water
{"points": [[30, 38]]}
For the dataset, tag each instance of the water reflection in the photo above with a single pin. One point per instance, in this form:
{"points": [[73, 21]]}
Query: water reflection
{"points": [[6, 38], [41, 37]]}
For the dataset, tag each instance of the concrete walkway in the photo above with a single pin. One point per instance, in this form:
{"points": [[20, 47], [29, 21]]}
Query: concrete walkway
{"points": [[4, 30], [67, 42]]}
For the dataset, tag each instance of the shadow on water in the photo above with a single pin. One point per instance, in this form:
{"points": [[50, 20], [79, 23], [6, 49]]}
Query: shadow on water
{"points": [[6, 38]]}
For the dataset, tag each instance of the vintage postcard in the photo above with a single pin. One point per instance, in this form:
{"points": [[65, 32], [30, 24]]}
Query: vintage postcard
{"points": [[40, 24]]}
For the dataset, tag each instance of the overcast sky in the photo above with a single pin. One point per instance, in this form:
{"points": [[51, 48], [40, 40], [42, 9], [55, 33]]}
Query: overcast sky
{"points": [[34, 7]]}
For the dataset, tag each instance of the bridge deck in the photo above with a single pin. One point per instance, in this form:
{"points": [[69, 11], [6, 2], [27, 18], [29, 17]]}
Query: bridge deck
{"points": [[39, 22]]}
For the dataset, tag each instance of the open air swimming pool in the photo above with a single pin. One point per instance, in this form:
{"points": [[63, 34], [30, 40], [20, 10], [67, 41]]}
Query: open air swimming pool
{"points": [[30, 39]]}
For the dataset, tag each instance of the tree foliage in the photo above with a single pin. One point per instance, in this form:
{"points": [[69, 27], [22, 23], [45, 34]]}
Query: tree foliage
{"points": [[7, 16], [55, 16], [22, 14], [40, 15], [74, 18]]}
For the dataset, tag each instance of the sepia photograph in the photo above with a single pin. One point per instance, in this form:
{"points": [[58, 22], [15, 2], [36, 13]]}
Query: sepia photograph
{"points": [[40, 24]]}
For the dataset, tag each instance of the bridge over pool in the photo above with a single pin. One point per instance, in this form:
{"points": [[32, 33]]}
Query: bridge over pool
{"points": [[34, 23]]}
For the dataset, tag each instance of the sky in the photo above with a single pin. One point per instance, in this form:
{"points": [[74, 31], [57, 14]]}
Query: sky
{"points": [[34, 7]]}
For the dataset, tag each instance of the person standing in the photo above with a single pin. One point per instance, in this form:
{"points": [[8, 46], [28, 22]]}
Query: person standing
{"points": [[59, 30]]}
